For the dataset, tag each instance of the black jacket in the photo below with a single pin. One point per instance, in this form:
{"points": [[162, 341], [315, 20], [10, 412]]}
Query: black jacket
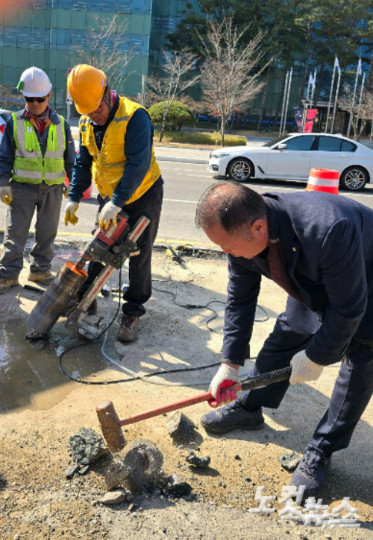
{"points": [[327, 241]]}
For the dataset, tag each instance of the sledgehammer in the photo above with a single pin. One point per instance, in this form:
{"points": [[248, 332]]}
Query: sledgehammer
{"points": [[111, 424]]}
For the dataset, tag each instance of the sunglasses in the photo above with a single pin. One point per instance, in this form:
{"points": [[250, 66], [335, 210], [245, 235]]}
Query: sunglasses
{"points": [[37, 99]]}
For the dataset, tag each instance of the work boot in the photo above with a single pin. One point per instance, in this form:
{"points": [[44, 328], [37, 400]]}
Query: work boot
{"points": [[7, 283], [311, 471], [129, 325], [45, 278], [230, 417]]}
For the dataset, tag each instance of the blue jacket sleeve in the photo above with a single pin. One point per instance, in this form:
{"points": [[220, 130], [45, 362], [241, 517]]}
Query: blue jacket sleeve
{"points": [[69, 154], [243, 292], [138, 150], [7, 154], [81, 175], [347, 297]]}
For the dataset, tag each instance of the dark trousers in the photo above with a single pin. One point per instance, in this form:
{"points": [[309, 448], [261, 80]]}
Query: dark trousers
{"points": [[140, 278], [352, 391]]}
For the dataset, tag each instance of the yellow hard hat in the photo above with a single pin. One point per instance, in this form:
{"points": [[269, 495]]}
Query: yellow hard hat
{"points": [[86, 85]]}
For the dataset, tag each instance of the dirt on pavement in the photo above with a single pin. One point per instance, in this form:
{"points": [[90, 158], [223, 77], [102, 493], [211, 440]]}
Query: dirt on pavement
{"points": [[40, 410]]}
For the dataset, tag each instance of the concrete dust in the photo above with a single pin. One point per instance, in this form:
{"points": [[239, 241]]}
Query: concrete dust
{"points": [[39, 417]]}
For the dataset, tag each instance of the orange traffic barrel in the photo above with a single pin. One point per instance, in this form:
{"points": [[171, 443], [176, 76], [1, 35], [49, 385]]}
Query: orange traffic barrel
{"points": [[325, 180]]}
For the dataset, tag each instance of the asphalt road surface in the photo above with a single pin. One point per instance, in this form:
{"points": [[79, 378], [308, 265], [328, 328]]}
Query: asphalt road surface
{"points": [[184, 184]]}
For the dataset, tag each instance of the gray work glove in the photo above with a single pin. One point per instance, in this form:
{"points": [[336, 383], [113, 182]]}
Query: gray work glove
{"points": [[303, 369]]}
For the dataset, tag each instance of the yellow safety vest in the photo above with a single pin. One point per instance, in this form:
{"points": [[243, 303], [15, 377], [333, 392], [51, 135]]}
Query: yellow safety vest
{"points": [[109, 163], [30, 166]]}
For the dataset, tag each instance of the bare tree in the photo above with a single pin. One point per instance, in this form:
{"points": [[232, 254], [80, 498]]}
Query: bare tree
{"points": [[6, 96], [366, 113], [172, 81], [230, 73], [106, 48], [349, 104]]}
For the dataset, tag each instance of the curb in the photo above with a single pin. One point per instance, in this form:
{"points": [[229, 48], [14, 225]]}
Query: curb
{"points": [[160, 243], [183, 160]]}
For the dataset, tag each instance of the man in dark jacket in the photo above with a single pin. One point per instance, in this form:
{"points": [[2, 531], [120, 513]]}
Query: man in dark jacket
{"points": [[310, 244]]}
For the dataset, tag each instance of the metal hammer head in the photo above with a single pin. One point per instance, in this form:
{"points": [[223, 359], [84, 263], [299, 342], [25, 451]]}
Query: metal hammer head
{"points": [[110, 427]]}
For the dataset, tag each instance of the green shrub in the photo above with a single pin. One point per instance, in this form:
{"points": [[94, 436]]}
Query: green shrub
{"points": [[179, 115], [200, 137]]}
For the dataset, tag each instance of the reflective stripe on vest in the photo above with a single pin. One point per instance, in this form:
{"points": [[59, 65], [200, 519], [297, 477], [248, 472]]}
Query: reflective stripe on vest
{"points": [[109, 163], [29, 164]]}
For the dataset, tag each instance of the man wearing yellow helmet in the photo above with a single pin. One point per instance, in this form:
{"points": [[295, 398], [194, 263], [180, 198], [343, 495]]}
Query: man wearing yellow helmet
{"points": [[116, 150]]}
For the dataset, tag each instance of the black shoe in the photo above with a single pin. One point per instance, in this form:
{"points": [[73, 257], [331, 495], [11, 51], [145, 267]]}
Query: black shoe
{"points": [[230, 417], [311, 471]]}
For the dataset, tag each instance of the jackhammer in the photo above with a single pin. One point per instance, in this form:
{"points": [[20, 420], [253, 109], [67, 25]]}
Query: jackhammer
{"points": [[111, 248]]}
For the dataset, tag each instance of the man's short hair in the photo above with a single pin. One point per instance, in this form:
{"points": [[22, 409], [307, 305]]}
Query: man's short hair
{"points": [[232, 205]]}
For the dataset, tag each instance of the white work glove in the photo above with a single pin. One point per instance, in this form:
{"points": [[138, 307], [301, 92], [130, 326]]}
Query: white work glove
{"points": [[303, 369], [70, 210], [6, 195], [108, 215], [226, 376]]}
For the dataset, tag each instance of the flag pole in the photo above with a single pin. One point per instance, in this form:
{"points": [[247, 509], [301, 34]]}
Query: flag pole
{"points": [[353, 99], [305, 106], [283, 101], [313, 87], [336, 100], [330, 100], [287, 100], [358, 109]]}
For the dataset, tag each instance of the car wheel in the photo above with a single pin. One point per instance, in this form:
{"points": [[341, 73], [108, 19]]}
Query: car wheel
{"points": [[240, 169], [354, 179]]}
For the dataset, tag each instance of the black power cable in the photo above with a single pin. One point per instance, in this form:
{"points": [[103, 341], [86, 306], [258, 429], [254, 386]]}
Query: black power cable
{"points": [[157, 373]]}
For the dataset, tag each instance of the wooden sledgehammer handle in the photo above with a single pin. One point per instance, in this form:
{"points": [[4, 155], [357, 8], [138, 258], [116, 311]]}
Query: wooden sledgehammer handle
{"points": [[260, 380]]}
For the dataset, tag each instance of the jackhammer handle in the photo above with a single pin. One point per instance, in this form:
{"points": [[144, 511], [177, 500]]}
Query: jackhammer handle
{"points": [[260, 380]]}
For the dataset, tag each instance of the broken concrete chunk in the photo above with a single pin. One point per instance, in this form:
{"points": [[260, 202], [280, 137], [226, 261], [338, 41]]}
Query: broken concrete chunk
{"points": [[198, 461], [290, 461], [87, 446], [179, 424], [181, 428], [83, 469], [114, 497], [178, 485], [70, 471], [139, 467], [116, 474]]}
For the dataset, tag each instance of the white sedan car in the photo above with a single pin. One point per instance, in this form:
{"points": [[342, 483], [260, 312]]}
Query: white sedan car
{"points": [[291, 158]]}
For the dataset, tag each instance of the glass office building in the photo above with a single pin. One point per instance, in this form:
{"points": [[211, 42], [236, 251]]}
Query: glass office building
{"points": [[46, 33]]}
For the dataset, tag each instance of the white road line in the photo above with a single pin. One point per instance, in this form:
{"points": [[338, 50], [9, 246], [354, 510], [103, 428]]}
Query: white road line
{"points": [[194, 175], [186, 162], [184, 170], [198, 175], [180, 200]]}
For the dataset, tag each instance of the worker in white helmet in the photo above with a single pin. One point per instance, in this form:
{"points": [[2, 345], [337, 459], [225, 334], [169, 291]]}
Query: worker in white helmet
{"points": [[36, 153]]}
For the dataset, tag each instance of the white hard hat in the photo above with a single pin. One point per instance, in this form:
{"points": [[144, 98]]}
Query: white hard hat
{"points": [[34, 82]]}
